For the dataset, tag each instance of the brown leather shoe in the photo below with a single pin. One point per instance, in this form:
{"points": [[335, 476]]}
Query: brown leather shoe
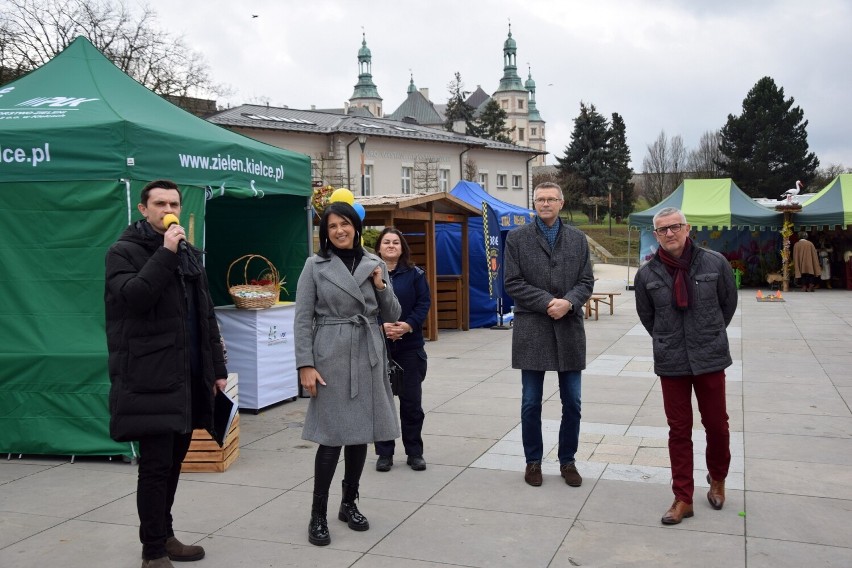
{"points": [[716, 495], [571, 475], [180, 552], [533, 474], [678, 512]]}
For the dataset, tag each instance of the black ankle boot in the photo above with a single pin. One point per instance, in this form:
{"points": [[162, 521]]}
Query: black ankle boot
{"points": [[349, 512], [318, 528]]}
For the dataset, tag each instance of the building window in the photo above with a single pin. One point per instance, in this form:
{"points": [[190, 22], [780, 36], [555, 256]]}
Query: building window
{"points": [[504, 104], [520, 104], [483, 181], [406, 180], [516, 181], [444, 180], [368, 181], [542, 131], [520, 134], [533, 131], [501, 181]]}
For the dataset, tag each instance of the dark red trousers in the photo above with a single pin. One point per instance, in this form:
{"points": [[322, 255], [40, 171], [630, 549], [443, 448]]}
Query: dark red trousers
{"points": [[677, 401]]}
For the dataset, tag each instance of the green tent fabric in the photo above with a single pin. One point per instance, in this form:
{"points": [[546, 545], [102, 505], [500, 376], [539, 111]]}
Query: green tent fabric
{"points": [[711, 203], [78, 141], [831, 207]]}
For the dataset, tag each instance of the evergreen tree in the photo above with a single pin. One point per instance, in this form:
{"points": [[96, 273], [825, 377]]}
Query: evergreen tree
{"points": [[492, 123], [587, 155], [457, 108], [619, 168], [765, 149]]}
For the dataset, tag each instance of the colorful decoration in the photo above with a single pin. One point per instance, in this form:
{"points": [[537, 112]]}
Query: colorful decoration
{"points": [[342, 194], [776, 297], [359, 209], [321, 196]]}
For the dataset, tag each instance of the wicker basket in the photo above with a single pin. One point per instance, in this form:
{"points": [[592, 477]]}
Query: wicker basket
{"points": [[254, 296]]}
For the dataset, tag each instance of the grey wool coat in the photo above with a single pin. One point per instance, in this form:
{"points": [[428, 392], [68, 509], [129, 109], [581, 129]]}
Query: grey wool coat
{"points": [[337, 333], [534, 275]]}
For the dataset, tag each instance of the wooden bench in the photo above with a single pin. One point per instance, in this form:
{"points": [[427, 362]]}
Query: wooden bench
{"points": [[597, 298]]}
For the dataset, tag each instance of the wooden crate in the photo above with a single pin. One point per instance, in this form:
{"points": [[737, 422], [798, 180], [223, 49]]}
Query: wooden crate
{"points": [[205, 455]]}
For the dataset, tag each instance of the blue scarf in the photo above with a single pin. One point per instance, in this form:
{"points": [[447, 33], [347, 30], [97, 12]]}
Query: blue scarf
{"points": [[550, 233]]}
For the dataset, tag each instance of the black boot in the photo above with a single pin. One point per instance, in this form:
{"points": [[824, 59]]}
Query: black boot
{"points": [[349, 512], [318, 528]]}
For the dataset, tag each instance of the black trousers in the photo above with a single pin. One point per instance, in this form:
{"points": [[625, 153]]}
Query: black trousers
{"points": [[325, 463], [411, 413], [160, 459]]}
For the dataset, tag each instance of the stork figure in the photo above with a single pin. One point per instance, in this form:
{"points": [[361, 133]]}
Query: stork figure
{"points": [[792, 192]]}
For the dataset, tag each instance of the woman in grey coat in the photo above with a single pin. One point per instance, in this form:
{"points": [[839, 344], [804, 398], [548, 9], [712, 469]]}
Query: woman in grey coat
{"points": [[340, 354]]}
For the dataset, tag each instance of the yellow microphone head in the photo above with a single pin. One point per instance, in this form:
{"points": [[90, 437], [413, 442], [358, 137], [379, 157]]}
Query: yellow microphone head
{"points": [[170, 219]]}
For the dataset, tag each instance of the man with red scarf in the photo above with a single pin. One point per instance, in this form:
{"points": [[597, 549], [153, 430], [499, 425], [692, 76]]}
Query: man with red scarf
{"points": [[686, 297]]}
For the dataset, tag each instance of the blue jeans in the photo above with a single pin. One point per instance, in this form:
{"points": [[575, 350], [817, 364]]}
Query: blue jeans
{"points": [[569, 428]]}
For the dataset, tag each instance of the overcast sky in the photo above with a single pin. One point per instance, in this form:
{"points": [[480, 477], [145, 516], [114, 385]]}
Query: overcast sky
{"points": [[677, 66]]}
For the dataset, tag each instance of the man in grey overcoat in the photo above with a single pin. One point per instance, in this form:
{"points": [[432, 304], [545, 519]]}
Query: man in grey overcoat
{"points": [[548, 273]]}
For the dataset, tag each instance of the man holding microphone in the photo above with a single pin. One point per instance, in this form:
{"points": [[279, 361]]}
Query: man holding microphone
{"points": [[166, 359]]}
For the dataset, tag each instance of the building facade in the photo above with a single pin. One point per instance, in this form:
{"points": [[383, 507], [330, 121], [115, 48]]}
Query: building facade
{"points": [[398, 157], [409, 151]]}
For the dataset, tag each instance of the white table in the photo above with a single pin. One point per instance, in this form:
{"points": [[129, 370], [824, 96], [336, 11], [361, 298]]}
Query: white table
{"points": [[260, 350]]}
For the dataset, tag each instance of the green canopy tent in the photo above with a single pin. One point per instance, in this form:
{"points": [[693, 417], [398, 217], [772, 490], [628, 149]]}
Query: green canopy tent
{"points": [[831, 207], [78, 141], [722, 217], [709, 203]]}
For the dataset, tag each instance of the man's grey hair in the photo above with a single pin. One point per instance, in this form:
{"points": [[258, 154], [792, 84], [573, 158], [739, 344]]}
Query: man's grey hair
{"points": [[666, 211], [548, 185]]}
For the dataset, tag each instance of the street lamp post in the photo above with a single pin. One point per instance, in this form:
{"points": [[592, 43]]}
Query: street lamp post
{"points": [[609, 190], [362, 141]]}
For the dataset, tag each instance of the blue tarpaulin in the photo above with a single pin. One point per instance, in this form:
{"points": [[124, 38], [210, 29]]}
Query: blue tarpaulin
{"points": [[484, 266]]}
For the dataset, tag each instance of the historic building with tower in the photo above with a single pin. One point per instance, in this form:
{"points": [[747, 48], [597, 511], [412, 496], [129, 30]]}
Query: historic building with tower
{"points": [[408, 150]]}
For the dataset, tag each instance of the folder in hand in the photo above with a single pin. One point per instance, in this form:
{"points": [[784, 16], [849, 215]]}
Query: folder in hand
{"points": [[224, 412]]}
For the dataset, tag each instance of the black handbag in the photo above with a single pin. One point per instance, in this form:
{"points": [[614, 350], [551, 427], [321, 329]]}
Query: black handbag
{"points": [[395, 370], [395, 376]]}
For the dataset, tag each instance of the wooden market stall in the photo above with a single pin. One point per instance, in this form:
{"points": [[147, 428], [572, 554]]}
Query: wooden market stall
{"points": [[416, 216]]}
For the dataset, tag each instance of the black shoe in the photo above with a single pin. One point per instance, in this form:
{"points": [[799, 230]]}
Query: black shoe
{"points": [[318, 527], [384, 463], [417, 463], [349, 512]]}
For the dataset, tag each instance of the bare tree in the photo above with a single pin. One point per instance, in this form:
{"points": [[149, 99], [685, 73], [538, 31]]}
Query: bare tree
{"points": [[34, 31], [825, 175], [426, 175], [330, 171], [663, 167], [471, 170], [701, 163]]}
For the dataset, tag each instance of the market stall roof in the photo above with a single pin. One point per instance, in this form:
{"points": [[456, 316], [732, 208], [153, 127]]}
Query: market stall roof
{"points": [[831, 207], [79, 117], [443, 206], [418, 214], [712, 203], [510, 216]]}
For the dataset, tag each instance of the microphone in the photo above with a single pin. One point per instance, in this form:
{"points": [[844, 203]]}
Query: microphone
{"points": [[171, 219]]}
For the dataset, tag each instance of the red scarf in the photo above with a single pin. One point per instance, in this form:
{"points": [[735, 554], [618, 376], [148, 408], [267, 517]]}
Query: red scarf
{"points": [[678, 269]]}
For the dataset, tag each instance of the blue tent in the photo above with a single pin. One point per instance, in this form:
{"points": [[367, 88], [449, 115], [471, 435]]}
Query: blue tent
{"points": [[486, 263]]}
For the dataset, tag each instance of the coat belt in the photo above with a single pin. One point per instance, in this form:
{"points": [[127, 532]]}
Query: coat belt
{"points": [[360, 330]]}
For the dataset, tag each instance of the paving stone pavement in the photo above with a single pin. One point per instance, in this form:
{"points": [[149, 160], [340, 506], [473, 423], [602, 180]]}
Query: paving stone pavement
{"points": [[790, 488]]}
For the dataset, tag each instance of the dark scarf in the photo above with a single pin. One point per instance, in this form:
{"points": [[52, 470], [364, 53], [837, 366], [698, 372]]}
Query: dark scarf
{"points": [[678, 269], [550, 233], [190, 266], [351, 258]]}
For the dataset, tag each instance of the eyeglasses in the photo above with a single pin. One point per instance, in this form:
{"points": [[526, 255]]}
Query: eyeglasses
{"points": [[675, 229], [548, 200]]}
